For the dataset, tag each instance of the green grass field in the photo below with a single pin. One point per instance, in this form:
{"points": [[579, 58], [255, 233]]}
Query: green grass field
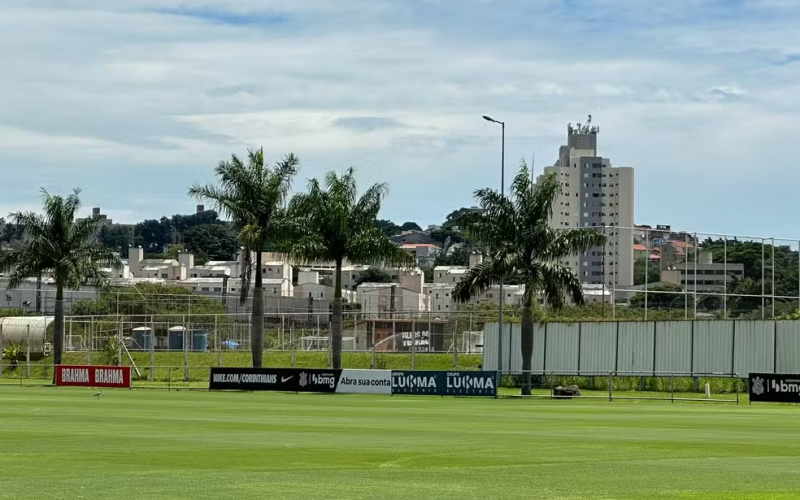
{"points": [[148, 444]]}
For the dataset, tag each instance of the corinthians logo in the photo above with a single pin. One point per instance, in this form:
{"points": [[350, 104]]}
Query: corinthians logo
{"points": [[303, 379], [758, 386]]}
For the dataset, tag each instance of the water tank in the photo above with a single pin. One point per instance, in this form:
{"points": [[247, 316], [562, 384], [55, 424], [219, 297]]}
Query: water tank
{"points": [[175, 341], [25, 330], [142, 338], [200, 341]]}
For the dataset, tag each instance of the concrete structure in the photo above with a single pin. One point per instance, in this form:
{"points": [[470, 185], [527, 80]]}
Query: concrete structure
{"points": [[449, 274], [424, 253], [382, 298], [595, 194], [309, 286], [704, 276]]}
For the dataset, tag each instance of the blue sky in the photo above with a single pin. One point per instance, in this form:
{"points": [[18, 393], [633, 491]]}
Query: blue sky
{"points": [[133, 100]]}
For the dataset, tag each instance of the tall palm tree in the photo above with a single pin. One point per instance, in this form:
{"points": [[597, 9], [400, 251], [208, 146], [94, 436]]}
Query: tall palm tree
{"points": [[55, 242], [522, 245], [336, 225], [252, 195]]}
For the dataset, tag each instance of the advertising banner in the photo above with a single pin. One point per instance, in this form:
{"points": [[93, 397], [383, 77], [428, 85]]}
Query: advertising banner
{"points": [[441, 383], [273, 379], [774, 388], [470, 384], [418, 382], [365, 382], [93, 376], [347, 381], [251, 379]]}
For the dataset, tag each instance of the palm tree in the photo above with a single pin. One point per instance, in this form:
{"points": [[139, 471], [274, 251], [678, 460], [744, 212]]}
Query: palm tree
{"points": [[521, 245], [252, 195], [334, 225], [56, 242]]}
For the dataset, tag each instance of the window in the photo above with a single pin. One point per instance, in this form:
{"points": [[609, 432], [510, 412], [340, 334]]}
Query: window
{"points": [[438, 307], [217, 289]]}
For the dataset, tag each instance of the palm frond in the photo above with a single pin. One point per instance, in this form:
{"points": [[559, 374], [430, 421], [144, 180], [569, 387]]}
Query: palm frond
{"points": [[479, 279]]}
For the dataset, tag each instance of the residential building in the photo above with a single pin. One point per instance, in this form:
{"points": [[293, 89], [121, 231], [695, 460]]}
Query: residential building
{"points": [[595, 194], [381, 298], [414, 236], [309, 287], [403, 296], [424, 253], [704, 276]]}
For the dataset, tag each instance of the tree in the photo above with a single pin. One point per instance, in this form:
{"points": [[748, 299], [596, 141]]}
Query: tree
{"points": [[153, 235], [211, 242], [333, 224], [458, 256], [252, 194], [116, 238], [646, 272], [55, 242], [663, 296], [387, 227], [374, 275], [410, 226], [519, 243]]}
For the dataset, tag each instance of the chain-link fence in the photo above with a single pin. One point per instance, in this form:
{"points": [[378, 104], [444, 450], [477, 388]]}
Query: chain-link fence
{"points": [[181, 347]]}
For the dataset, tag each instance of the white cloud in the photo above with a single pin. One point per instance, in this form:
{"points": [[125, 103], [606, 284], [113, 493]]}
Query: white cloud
{"points": [[135, 99]]}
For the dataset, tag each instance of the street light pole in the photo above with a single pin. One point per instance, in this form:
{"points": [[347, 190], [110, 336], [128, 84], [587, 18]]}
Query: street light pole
{"points": [[502, 193]]}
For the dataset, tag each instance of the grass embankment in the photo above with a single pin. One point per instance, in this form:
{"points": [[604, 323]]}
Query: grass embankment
{"points": [[197, 445]]}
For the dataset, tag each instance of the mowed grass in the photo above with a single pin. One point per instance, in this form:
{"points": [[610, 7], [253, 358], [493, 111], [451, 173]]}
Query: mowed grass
{"points": [[146, 444]]}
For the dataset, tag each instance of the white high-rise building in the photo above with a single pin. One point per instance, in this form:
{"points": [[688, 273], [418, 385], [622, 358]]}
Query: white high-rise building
{"points": [[595, 194]]}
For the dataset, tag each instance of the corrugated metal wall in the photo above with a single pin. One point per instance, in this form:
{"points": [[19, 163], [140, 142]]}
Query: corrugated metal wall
{"points": [[754, 347], [562, 347], [713, 347], [673, 346], [598, 347], [635, 347], [678, 347], [787, 347]]}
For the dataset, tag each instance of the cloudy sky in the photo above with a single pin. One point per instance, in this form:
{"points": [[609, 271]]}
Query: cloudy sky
{"points": [[132, 100]]}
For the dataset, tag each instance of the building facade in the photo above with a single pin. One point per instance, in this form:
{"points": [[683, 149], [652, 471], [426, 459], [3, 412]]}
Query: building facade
{"points": [[595, 194]]}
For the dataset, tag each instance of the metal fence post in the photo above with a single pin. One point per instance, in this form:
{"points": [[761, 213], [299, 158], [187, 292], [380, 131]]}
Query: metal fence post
{"points": [[414, 342], [91, 342], [28, 352], [291, 341], [216, 340], [455, 345], [152, 376], [610, 387], [119, 341], [185, 350]]}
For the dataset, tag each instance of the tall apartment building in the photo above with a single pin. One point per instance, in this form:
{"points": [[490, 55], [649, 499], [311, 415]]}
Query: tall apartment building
{"points": [[595, 194]]}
